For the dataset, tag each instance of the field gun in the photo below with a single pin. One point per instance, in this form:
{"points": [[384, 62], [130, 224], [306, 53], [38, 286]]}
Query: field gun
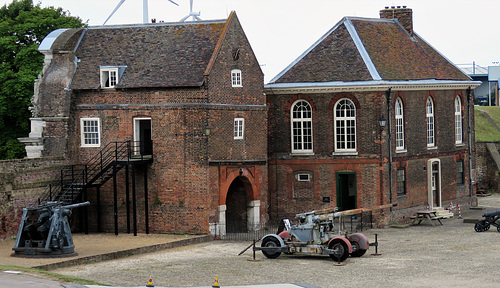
{"points": [[44, 231], [316, 234]]}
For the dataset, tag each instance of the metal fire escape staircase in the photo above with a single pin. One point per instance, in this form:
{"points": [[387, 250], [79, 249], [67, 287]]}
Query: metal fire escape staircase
{"points": [[96, 172]]}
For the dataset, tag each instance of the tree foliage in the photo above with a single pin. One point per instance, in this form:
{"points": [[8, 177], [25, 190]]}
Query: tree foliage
{"points": [[22, 27]]}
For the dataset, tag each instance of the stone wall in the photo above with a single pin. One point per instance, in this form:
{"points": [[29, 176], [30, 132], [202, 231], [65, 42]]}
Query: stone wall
{"points": [[487, 174], [21, 183]]}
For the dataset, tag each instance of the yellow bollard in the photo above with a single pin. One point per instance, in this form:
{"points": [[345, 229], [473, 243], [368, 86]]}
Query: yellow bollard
{"points": [[150, 282], [216, 284]]}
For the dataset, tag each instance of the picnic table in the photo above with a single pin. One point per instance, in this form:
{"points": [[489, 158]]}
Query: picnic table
{"points": [[426, 214]]}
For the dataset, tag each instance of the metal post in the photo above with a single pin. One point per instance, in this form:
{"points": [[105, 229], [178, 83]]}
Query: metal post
{"points": [[146, 200], [361, 221], [134, 204], [253, 249], [127, 197], [115, 199], [99, 209], [85, 199], [376, 246]]}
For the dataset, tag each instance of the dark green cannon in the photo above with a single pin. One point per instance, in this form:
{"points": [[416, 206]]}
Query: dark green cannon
{"points": [[44, 231]]}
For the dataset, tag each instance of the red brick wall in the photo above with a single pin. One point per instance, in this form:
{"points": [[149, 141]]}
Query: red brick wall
{"points": [[182, 191], [372, 189]]}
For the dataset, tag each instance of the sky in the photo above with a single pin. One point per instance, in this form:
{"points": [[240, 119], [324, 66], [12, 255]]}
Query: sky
{"points": [[279, 31]]}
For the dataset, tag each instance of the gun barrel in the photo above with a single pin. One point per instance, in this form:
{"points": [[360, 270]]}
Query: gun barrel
{"points": [[362, 210], [76, 205]]}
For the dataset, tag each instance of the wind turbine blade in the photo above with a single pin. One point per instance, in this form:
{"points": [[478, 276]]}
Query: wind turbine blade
{"points": [[173, 2], [112, 13], [184, 19]]}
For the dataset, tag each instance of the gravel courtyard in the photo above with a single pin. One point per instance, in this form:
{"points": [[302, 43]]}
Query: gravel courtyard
{"points": [[451, 255]]}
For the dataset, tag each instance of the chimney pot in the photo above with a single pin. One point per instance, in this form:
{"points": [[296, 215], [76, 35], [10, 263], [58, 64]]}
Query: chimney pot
{"points": [[404, 17]]}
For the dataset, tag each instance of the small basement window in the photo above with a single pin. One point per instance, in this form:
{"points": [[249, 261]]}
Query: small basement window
{"points": [[303, 177]]}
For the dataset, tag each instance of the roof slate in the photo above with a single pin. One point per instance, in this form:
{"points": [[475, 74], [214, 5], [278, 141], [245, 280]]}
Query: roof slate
{"points": [[392, 51], [155, 55]]}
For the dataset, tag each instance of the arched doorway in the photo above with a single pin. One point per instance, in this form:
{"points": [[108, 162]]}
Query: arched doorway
{"points": [[236, 207]]}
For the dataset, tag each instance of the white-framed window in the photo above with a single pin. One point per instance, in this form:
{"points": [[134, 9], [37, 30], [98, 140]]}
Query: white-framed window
{"points": [[236, 78], [109, 77], [400, 126], [90, 130], [303, 177], [301, 117], [429, 114], [345, 125], [239, 128], [458, 121]]}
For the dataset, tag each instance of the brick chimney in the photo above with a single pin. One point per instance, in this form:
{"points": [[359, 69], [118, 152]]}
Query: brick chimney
{"points": [[403, 14]]}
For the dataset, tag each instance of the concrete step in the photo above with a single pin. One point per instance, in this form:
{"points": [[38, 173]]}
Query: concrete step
{"points": [[443, 213]]}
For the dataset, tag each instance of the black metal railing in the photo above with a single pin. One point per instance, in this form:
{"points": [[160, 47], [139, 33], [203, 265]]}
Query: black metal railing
{"points": [[74, 178]]}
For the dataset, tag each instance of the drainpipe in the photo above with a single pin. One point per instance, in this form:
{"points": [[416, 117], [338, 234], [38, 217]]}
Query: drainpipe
{"points": [[469, 120], [389, 140]]}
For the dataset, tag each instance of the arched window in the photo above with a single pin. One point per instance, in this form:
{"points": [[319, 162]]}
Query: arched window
{"points": [[345, 126], [458, 121], [429, 114], [302, 138], [400, 126]]}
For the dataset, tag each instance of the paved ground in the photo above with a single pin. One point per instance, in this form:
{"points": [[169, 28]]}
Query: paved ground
{"points": [[93, 245], [418, 256]]}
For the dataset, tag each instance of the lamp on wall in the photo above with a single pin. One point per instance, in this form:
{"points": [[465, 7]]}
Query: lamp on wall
{"points": [[207, 130], [382, 122]]}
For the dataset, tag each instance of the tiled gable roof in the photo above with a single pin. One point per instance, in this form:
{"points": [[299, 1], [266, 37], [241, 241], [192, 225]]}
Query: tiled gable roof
{"points": [[397, 56], [361, 49], [334, 57], [155, 55]]}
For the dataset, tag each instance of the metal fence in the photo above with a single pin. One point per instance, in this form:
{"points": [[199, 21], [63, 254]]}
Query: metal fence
{"points": [[249, 231]]}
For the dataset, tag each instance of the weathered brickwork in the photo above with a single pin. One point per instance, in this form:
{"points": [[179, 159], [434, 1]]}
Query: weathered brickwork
{"points": [[21, 183], [183, 195], [487, 176], [370, 164]]}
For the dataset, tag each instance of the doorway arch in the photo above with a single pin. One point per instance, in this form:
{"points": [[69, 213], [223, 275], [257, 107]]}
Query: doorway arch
{"points": [[239, 204], [236, 207]]}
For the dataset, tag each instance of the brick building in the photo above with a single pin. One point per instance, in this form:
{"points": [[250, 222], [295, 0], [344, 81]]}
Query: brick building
{"points": [[370, 114], [179, 110]]}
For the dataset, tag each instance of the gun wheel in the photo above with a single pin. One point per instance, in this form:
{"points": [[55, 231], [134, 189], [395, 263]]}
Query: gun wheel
{"points": [[357, 251], [269, 242], [482, 226], [340, 248]]}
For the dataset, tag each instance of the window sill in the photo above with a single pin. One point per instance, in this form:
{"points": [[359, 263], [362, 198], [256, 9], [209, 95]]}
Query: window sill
{"points": [[459, 144], [401, 151], [302, 154], [345, 154], [432, 148]]}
